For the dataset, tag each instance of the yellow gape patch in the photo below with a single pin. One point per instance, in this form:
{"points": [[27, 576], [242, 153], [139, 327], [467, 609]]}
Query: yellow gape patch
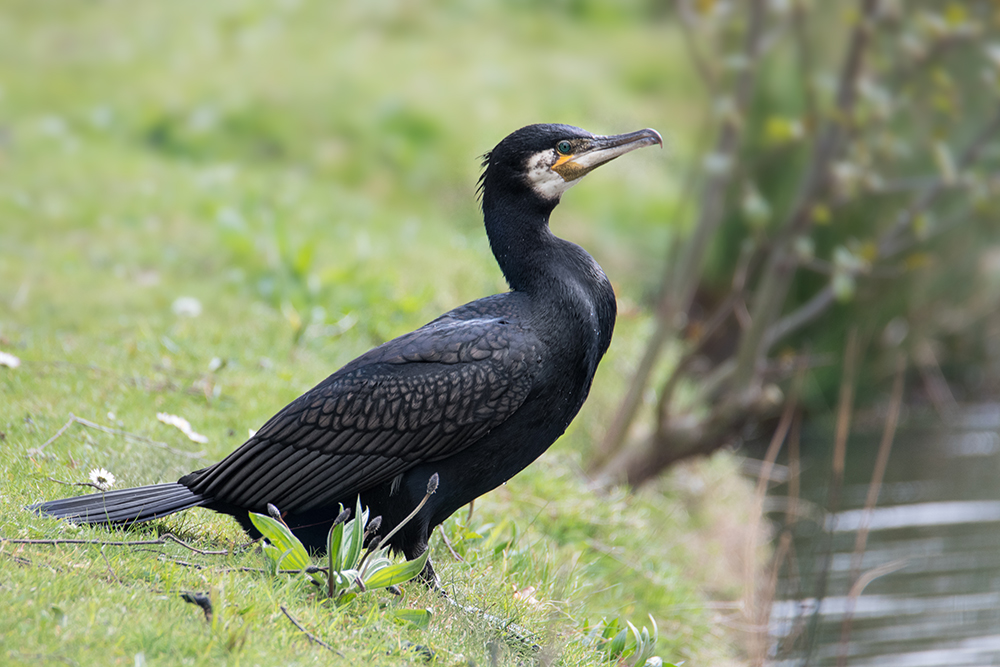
{"points": [[568, 169]]}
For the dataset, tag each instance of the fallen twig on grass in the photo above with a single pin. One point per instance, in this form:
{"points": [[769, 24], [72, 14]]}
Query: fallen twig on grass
{"points": [[110, 569], [167, 537], [42, 657], [512, 630], [20, 560], [90, 484], [313, 638], [259, 570], [73, 419]]}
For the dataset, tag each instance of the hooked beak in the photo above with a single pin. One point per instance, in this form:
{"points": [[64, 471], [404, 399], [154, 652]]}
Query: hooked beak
{"points": [[601, 150]]}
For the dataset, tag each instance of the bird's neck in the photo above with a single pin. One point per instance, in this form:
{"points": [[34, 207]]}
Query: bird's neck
{"points": [[522, 243], [547, 268]]}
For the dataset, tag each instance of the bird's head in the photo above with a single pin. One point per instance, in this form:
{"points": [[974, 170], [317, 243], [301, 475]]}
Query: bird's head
{"points": [[549, 159]]}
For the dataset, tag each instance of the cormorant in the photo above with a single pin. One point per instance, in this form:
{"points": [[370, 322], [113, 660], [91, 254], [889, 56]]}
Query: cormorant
{"points": [[474, 396]]}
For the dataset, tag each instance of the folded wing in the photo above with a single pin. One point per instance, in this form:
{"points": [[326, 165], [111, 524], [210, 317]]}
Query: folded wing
{"points": [[421, 397]]}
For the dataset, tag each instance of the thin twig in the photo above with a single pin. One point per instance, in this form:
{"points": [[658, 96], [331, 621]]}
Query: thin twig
{"points": [[110, 569], [163, 540], [88, 484], [312, 569], [174, 538], [935, 382], [885, 446], [801, 316], [20, 560], [845, 409], [93, 542], [784, 423], [447, 543], [313, 638], [43, 657], [760, 639], [794, 462], [62, 430], [510, 628], [714, 322], [881, 461], [73, 419], [873, 574]]}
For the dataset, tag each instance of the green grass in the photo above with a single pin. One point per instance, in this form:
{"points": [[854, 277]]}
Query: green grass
{"points": [[306, 170]]}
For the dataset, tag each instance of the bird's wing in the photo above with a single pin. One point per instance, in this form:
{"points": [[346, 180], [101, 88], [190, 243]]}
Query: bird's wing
{"points": [[421, 397]]}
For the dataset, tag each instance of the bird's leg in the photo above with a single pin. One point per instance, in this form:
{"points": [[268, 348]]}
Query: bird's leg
{"points": [[430, 578]]}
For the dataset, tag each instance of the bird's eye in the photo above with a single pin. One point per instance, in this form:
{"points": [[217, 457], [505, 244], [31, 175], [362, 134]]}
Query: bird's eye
{"points": [[564, 147]]}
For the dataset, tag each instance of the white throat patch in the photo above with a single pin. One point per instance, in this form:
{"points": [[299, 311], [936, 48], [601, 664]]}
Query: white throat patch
{"points": [[543, 179]]}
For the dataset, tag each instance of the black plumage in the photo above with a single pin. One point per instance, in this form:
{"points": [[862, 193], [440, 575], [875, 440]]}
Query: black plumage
{"points": [[474, 396]]}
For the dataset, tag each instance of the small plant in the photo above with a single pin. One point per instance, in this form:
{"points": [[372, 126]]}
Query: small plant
{"points": [[356, 563], [626, 645]]}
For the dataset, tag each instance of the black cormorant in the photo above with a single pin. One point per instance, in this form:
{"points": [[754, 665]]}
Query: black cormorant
{"points": [[474, 396]]}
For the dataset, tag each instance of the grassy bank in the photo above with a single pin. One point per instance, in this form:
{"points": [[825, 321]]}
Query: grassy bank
{"points": [[304, 173]]}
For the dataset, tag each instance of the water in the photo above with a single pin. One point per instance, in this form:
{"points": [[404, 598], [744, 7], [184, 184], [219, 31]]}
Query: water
{"points": [[932, 555]]}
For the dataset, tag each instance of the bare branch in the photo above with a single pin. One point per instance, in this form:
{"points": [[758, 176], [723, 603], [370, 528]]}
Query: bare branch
{"points": [[716, 320], [889, 244], [803, 315], [676, 299], [773, 287]]}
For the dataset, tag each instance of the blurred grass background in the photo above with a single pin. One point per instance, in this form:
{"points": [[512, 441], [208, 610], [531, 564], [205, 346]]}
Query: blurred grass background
{"points": [[307, 171], [314, 156]]}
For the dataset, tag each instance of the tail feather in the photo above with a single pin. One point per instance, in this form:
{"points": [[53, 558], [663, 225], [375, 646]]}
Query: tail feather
{"points": [[143, 503]]}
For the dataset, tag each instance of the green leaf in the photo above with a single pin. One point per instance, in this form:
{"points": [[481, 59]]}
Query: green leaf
{"points": [[418, 617], [617, 645], [353, 533], [397, 574], [288, 547], [334, 542], [635, 647], [610, 629]]}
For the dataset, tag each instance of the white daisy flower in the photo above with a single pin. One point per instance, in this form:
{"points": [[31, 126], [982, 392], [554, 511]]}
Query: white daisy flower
{"points": [[102, 479]]}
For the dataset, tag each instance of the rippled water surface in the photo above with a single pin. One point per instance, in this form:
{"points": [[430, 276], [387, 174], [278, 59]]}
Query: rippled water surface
{"points": [[932, 560]]}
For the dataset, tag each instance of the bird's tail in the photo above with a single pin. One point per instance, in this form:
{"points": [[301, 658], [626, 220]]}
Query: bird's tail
{"points": [[126, 506]]}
